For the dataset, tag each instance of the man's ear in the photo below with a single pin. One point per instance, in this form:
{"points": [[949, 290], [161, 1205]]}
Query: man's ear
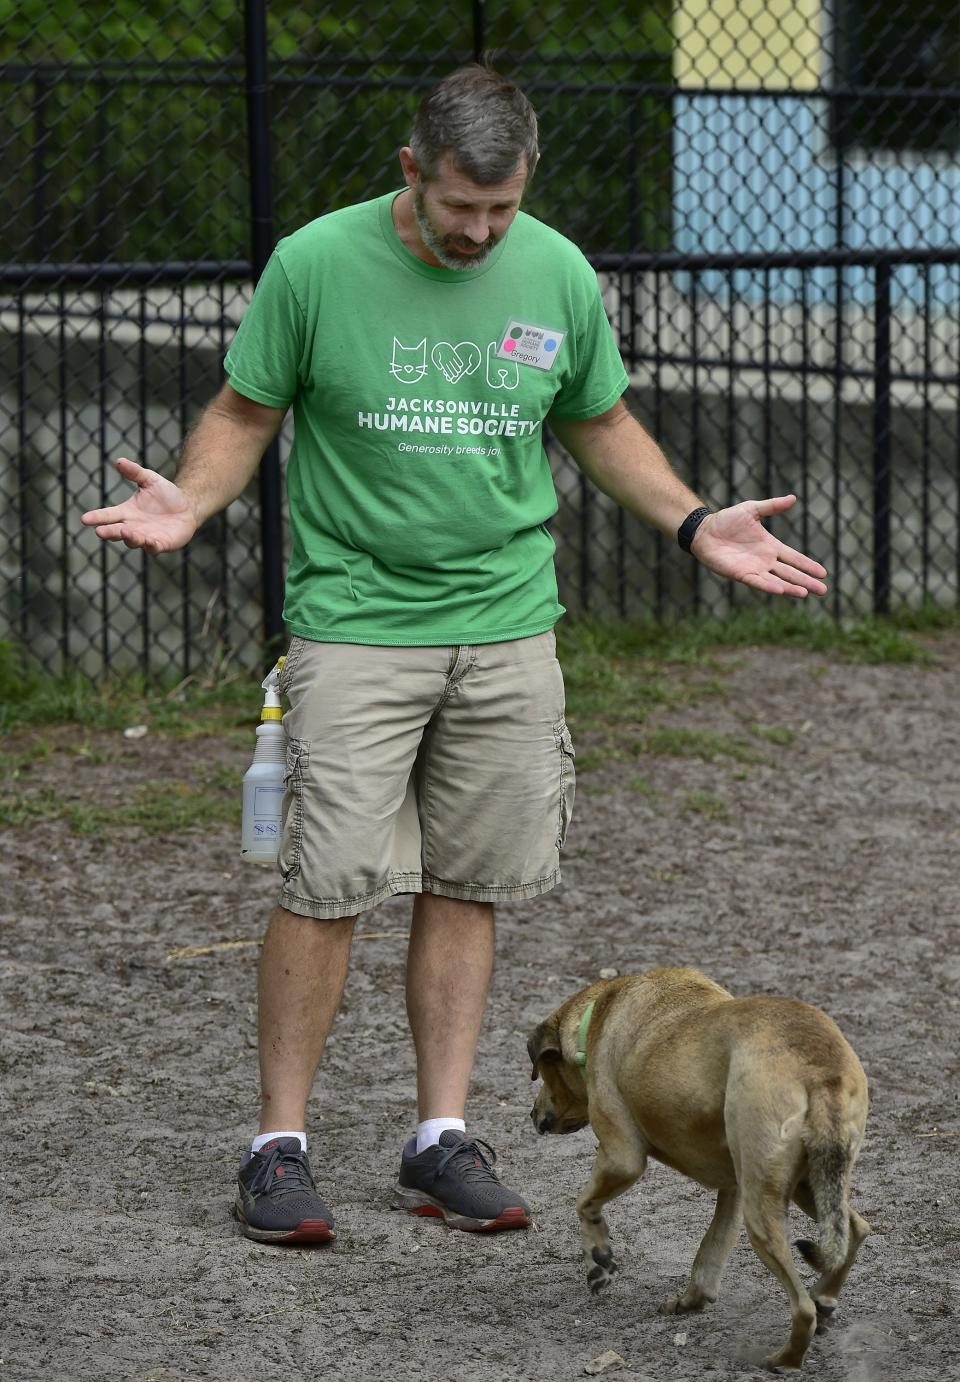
{"points": [[409, 167], [544, 1042]]}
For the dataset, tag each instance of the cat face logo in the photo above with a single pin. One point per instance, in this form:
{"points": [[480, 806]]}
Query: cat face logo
{"points": [[409, 363]]}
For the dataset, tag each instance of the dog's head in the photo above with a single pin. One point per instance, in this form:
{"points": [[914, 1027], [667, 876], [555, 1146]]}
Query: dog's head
{"points": [[561, 1103]]}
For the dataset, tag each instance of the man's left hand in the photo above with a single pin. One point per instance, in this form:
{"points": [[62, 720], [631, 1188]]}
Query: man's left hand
{"points": [[734, 543]]}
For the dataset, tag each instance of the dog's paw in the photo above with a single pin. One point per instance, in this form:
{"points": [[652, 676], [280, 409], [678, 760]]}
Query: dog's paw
{"points": [[685, 1304], [826, 1312], [601, 1273], [671, 1306]]}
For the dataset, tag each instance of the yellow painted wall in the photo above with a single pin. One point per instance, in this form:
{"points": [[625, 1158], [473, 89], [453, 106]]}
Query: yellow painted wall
{"points": [[749, 44]]}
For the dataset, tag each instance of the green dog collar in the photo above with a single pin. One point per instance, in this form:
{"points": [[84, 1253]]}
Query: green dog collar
{"points": [[581, 1054]]}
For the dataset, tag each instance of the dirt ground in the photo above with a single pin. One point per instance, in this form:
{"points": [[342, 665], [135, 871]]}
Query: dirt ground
{"points": [[820, 863]]}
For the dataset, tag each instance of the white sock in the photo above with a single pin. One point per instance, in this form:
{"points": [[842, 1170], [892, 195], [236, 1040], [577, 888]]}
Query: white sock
{"points": [[428, 1132], [263, 1138]]}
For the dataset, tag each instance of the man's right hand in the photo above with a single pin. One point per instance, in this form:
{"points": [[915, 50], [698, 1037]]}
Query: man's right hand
{"points": [[159, 517]]}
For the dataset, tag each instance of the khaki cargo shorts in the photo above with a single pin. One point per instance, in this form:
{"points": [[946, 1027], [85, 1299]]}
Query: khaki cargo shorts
{"points": [[422, 770]]}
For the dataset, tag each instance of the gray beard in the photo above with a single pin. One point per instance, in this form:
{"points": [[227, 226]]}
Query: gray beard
{"points": [[437, 246]]}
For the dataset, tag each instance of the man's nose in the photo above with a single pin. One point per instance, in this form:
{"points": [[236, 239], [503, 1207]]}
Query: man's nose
{"points": [[477, 230]]}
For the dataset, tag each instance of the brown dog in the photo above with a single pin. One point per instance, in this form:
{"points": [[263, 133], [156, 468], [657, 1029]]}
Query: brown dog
{"points": [[761, 1099]]}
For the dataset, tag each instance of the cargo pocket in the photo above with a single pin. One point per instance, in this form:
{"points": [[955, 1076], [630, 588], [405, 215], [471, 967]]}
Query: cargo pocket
{"points": [[568, 779], [291, 839]]}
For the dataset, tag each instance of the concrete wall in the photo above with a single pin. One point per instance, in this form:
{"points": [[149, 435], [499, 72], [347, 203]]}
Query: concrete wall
{"points": [[758, 174], [69, 405], [750, 447]]}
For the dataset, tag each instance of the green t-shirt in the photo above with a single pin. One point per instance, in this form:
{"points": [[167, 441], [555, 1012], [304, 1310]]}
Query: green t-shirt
{"points": [[418, 485]]}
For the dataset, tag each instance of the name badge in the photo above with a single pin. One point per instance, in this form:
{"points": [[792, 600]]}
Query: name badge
{"points": [[538, 346]]}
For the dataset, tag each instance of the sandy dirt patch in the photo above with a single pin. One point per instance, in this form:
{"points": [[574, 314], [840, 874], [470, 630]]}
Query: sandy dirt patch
{"points": [[820, 861]]}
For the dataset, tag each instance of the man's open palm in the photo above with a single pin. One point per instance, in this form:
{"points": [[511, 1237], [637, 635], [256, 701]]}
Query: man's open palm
{"points": [[734, 543], [158, 517]]}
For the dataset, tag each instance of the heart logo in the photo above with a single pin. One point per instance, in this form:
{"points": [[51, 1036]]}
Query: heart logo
{"points": [[456, 362]]}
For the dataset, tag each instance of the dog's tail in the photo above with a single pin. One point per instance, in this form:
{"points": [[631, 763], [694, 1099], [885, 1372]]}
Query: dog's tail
{"points": [[832, 1146]]}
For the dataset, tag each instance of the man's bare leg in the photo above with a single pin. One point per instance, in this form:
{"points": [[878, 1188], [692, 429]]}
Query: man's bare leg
{"points": [[302, 971], [449, 964], [303, 967]]}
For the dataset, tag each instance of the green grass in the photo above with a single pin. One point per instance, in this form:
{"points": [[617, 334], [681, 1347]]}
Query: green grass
{"points": [[615, 671], [706, 804], [781, 735], [640, 786], [31, 697], [697, 743], [692, 640], [677, 742], [152, 807]]}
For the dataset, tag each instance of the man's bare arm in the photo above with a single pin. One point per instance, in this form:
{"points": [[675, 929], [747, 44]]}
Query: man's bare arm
{"points": [[223, 449], [220, 455], [624, 461]]}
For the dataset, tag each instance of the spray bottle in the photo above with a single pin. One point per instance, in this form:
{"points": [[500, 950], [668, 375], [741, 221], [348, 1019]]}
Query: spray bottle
{"points": [[263, 780]]}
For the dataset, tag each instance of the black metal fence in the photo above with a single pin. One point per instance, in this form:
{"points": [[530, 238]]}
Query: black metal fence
{"points": [[772, 203]]}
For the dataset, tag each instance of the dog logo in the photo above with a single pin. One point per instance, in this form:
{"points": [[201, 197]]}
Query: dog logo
{"points": [[501, 374]]}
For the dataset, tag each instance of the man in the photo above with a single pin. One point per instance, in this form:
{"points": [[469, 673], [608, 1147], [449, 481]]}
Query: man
{"points": [[423, 339]]}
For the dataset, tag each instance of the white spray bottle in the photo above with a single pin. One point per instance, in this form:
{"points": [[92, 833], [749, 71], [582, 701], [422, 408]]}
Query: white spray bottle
{"points": [[263, 780]]}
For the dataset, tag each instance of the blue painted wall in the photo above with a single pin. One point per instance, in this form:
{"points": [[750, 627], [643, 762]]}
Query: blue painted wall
{"points": [[756, 173]]}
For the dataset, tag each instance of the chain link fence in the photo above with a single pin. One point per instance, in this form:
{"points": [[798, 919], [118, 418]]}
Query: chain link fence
{"points": [[769, 191]]}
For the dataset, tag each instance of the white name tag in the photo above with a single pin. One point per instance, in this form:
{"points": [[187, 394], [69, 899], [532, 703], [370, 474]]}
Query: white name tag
{"points": [[530, 345]]}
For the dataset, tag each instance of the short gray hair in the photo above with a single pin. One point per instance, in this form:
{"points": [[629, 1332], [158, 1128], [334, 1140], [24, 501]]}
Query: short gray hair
{"points": [[482, 120]]}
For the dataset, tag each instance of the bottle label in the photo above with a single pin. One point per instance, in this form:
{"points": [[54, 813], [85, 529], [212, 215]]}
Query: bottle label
{"points": [[267, 812]]}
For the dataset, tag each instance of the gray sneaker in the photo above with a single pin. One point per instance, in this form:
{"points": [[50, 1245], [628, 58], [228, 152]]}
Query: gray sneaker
{"points": [[456, 1182], [277, 1200]]}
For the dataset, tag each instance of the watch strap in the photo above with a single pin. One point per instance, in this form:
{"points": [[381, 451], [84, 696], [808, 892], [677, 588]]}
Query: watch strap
{"points": [[689, 526]]}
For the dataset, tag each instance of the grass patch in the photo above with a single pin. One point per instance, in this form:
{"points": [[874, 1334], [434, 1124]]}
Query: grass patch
{"points": [[31, 697], [616, 672], [788, 625], [665, 875], [154, 807], [640, 786], [706, 804], [598, 756], [673, 742], [775, 734], [697, 743]]}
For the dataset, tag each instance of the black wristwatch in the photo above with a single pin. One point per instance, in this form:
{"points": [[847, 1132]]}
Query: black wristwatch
{"points": [[689, 526]]}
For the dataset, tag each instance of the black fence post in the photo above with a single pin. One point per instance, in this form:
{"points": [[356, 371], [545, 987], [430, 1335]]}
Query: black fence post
{"points": [[882, 372], [261, 247], [40, 176], [479, 30]]}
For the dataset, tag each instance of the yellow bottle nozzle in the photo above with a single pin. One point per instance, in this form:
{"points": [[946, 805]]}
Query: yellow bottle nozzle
{"points": [[271, 685]]}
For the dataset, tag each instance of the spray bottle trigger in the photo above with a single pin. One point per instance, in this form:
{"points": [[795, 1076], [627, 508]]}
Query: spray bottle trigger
{"points": [[271, 681]]}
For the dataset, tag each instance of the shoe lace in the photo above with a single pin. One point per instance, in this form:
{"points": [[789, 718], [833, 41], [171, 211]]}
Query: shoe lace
{"points": [[295, 1173], [475, 1166]]}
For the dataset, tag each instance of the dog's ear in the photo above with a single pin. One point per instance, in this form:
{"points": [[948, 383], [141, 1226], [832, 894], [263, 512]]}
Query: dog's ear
{"points": [[543, 1042]]}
